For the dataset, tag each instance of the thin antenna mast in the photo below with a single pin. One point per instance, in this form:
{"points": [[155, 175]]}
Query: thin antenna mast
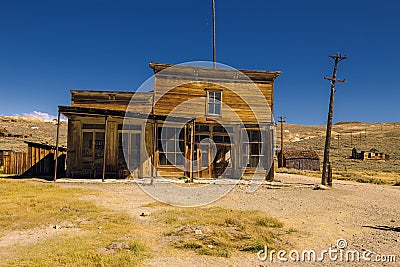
{"points": [[214, 36]]}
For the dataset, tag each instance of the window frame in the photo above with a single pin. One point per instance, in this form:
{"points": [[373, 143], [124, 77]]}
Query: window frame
{"points": [[215, 102], [88, 155], [248, 148], [178, 141], [131, 149]]}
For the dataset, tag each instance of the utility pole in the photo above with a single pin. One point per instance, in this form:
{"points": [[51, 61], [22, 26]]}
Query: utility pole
{"points": [[214, 36], [337, 58], [282, 120], [351, 138]]}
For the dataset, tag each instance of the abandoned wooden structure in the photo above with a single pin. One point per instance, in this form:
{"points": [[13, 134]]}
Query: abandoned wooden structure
{"points": [[5, 133], [170, 124], [371, 154], [300, 160], [38, 161]]}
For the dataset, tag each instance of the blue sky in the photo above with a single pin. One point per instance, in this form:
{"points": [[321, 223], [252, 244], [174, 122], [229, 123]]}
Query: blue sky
{"points": [[50, 47]]}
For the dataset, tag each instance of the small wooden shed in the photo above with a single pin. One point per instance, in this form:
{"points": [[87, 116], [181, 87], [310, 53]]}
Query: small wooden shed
{"points": [[3, 132], [37, 161], [372, 154], [299, 159]]}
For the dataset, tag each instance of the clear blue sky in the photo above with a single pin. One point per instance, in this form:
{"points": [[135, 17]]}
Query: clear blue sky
{"points": [[50, 47]]}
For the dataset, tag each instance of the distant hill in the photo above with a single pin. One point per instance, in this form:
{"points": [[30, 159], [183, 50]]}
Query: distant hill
{"points": [[36, 130], [383, 136]]}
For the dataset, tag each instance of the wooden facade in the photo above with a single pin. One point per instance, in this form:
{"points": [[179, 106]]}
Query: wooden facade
{"points": [[164, 128], [300, 160], [38, 161]]}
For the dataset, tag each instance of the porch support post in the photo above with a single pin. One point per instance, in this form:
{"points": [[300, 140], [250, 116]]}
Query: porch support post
{"points": [[191, 151], [56, 153], [105, 149]]}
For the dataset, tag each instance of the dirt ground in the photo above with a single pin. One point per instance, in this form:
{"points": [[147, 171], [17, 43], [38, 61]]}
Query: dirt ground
{"points": [[367, 216]]}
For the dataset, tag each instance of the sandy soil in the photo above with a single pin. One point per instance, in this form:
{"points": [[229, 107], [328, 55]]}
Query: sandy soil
{"points": [[367, 216]]}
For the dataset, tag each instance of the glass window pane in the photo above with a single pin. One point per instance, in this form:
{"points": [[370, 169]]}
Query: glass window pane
{"points": [[204, 158], [227, 139], [255, 149], [254, 136], [179, 159], [181, 146], [87, 144], [170, 158], [135, 141], [170, 133], [160, 145], [204, 128], [211, 97], [217, 96], [162, 159], [99, 146], [170, 146], [217, 109], [253, 161], [211, 109]]}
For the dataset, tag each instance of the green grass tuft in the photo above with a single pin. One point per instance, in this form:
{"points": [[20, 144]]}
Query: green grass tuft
{"points": [[219, 231]]}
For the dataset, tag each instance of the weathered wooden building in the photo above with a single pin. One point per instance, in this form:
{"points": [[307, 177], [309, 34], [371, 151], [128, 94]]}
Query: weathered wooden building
{"points": [[38, 161], [372, 154], [299, 159], [164, 128]]}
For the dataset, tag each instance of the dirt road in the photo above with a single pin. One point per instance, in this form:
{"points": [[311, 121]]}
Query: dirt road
{"points": [[367, 216]]}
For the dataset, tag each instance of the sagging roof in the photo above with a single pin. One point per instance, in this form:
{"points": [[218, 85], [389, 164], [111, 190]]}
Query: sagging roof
{"points": [[373, 150], [300, 154], [87, 111], [211, 73], [45, 146]]}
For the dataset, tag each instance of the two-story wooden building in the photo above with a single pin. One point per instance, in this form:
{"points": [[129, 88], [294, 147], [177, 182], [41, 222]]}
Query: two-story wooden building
{"points": [[199, 122]]}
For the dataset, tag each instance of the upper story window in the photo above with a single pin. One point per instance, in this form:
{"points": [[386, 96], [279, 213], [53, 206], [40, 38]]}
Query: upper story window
{"points": [[214, 102]]}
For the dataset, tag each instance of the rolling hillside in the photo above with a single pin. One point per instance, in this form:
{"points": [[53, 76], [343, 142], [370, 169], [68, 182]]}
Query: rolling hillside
{"points": [[36, 130], [383, 136]]}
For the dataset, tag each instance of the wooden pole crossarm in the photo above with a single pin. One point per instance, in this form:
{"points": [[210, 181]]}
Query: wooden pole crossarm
{"points": [[338, 57], [336, 80]]}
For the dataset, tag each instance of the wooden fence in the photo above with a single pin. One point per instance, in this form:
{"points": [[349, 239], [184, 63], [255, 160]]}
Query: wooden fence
{"points": [[38, 161], [14, 162]]}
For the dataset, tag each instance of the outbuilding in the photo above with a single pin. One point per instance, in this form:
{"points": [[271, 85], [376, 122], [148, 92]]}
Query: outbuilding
{"points": [[299, 159]]}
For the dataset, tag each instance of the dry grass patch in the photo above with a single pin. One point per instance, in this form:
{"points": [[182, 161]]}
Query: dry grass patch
{"points": [[27, 205], [220, 232], [354, 175]]}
